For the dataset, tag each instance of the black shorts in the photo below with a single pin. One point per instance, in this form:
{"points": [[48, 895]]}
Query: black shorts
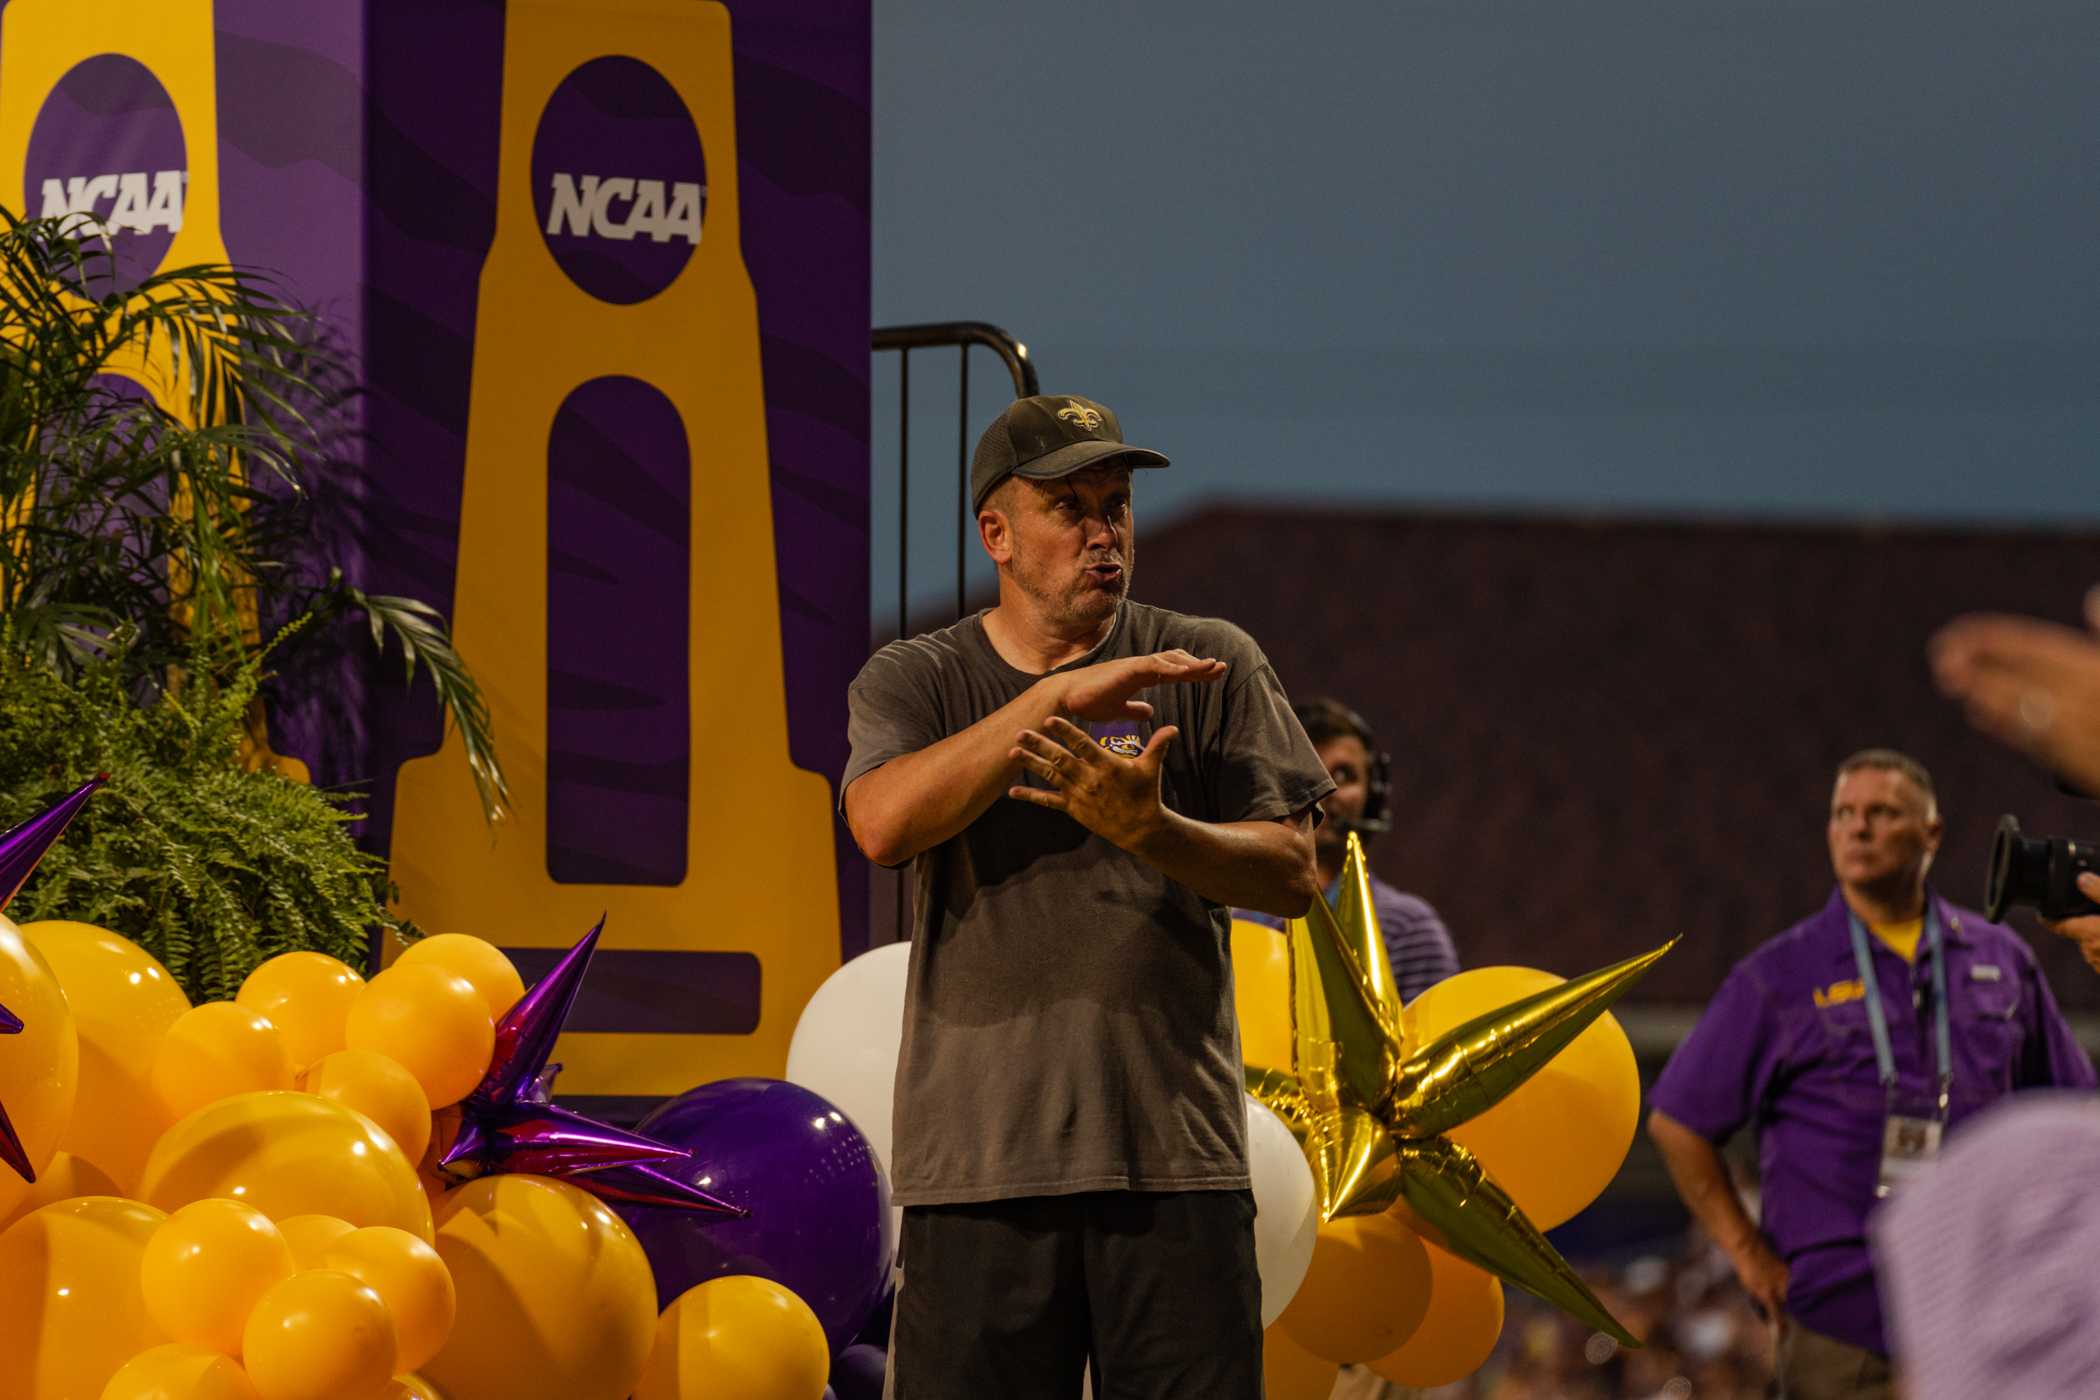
{"points": [[1011, 1299]]}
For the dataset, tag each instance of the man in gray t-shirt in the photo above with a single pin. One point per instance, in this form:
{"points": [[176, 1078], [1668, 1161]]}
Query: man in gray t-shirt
{"points": [[1069, 1131]]}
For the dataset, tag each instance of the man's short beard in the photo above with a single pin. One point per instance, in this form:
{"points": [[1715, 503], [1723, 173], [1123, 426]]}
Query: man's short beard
{"points": [[1076, 603]]}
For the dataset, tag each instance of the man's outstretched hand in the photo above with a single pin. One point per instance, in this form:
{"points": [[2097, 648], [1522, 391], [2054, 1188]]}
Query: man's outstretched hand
{"points": [[2033, 684], [1103, 692], [1116, 798]]}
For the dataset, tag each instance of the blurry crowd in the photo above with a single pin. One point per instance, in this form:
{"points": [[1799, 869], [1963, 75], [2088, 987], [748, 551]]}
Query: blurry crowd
{"points": [[1704, 1338]]}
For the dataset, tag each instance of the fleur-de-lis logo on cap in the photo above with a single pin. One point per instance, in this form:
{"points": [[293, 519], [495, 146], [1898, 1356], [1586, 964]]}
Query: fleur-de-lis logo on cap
{"points": [[1078, 413]]}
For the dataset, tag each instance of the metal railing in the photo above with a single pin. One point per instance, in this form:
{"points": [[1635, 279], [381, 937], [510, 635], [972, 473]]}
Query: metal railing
{"points": [[961, 337]]}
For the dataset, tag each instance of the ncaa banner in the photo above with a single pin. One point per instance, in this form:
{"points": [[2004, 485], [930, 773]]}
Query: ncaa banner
{"points": [[118, 135], [603, 269]]}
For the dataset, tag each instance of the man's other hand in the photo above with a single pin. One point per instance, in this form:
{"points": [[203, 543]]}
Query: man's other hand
{"points": [[1763, 1275], [1102, 692], [1115, 798]]}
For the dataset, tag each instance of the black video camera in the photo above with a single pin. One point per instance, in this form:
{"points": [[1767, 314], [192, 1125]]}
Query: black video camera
{"points": [[2039, 871]]}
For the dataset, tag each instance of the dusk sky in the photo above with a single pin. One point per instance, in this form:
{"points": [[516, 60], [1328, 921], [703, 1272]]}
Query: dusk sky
{"points": [[1822, 260]]}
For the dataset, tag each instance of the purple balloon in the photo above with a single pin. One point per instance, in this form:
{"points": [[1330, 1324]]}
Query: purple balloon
{"points": [[857, 1372], [819, 1202], [876, 1330]]}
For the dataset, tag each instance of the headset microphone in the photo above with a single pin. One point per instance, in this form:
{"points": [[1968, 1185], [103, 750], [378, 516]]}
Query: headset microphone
{"points": [[1377, 816]]}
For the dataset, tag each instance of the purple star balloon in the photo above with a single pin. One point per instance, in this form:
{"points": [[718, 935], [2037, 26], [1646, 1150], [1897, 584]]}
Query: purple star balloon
{"points": [[12, 1151], [21, 848], [508, 1123]]}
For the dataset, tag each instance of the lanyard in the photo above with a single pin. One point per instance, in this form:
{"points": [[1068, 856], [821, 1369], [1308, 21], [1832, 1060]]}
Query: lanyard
{"points": [[1877, 1019]]}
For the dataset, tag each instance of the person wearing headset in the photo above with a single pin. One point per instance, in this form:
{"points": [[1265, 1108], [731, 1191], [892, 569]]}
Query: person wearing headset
{"points": [[1416, 940]]}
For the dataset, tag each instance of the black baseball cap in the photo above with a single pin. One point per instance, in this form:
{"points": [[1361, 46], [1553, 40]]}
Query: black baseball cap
{"points": [[1049, 436]]}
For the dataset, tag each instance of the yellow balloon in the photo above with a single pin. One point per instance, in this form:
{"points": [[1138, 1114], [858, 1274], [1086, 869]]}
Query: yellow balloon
{"points": [[319, 1335], [481, 962], [556, 1301], [39, 1065], [63, 1177], [311, 1236], [1261, 992], [1290, 1372], [123, 1002], [215, 1051], [413, 1388], [307, 996], [288, 1154], [1457, 1334], [179, 1371], [1365, 1292], [736, 1338], [433, 1022], [71, 1311], [1557, 1142], [379, 1088], [409, 1277], [205, 1267]]}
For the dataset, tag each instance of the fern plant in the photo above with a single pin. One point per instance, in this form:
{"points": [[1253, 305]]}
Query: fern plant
{"points": [[212, 866]]}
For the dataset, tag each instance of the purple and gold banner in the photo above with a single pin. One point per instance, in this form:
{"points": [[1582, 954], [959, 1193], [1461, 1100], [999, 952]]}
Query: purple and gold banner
{"points": [[603, 267]]}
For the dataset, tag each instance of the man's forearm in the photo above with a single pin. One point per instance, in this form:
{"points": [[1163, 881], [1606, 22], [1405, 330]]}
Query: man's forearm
{"points": [[1701, 1179], [918, 800], [1265, 865]]}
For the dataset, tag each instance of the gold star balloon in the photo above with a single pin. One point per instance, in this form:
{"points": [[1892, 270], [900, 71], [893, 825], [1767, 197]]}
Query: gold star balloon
{"points": [[1372, 1111]]}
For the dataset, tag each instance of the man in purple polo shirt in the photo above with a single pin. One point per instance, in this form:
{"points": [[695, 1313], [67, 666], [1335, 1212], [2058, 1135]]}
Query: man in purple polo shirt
{"points": [[1844, 1101], [1416, 941]]}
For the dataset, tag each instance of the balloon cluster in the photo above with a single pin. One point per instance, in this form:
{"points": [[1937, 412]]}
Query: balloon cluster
{"points": [[1440, 1137], [360, 1190]]}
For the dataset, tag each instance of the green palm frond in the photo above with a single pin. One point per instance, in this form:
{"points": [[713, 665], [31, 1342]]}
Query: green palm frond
{"points": [[427, 642], [176, 523]]}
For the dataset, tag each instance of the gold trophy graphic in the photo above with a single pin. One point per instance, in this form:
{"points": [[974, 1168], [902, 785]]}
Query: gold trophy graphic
{"points": [[600, 269]]}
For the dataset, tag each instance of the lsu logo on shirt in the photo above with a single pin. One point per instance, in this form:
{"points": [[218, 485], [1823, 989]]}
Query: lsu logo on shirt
{"points": [[1118, 738], [1838, 993]]}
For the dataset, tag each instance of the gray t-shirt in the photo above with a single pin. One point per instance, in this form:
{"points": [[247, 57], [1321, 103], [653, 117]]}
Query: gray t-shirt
{"points": [[1068, 1023]]}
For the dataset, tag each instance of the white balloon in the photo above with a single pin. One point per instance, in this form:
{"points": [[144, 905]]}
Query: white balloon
{"points": [[845, 1045], [1286, 1216]]}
